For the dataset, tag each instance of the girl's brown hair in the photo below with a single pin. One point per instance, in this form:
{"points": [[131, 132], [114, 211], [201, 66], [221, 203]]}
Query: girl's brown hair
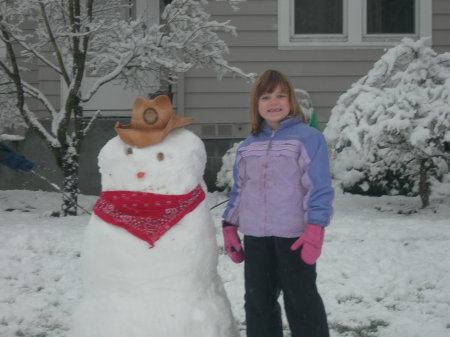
{"points": [[267, 82]]}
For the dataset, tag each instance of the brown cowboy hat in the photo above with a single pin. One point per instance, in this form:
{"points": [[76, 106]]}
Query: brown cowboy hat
{"points": [[151, 121]]}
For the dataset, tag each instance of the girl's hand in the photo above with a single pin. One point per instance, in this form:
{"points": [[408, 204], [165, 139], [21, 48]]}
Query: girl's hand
{"points": [[233, 244], [311, 240]]}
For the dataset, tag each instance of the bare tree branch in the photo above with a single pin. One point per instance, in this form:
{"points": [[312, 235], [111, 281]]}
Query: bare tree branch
{"points": [[56, 49]]}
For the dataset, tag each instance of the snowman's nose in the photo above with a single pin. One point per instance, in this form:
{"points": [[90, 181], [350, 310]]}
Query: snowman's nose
{"points": [[140, 175]]}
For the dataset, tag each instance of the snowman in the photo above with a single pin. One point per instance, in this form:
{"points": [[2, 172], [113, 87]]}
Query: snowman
{"points": [[149, 258]]}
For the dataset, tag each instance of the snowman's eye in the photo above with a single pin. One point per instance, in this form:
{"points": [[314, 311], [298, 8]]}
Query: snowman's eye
{"points": [[160, 156], [129, 151]]}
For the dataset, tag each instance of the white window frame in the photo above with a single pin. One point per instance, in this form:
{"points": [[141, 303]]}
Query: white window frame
{"points": [[354, 28]]}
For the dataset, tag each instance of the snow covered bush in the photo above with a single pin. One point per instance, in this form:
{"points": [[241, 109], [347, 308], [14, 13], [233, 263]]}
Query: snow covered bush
{"points": [[390, 131], [225, 175], [305, 102]]}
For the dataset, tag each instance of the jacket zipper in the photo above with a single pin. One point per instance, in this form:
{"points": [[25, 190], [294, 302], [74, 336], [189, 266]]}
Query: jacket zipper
{"points": [[266, 165]]}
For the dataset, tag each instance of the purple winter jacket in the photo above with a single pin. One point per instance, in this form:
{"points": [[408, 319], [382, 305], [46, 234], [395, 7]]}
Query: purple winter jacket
{"points": [[281, 182]]}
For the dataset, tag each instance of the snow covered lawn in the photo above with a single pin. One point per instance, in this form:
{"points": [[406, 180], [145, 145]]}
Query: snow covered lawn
{"points": [[381, 274]]}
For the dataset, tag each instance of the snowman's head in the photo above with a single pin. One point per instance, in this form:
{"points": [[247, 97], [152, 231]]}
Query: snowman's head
{"points": [[174, 166]]}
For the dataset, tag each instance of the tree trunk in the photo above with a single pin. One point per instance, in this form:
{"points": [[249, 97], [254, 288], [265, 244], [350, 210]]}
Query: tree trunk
{"points": [[424, 186], [70, 166]]}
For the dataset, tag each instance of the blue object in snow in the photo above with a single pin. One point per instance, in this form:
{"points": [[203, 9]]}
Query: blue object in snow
{"points": [[14, 161]]}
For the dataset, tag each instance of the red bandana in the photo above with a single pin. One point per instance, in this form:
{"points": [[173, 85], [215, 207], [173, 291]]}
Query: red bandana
{"points": [[146, 215]]}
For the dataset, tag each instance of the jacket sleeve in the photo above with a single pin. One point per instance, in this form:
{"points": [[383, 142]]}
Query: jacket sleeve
{"points": [[317, 180], [231, 214]]}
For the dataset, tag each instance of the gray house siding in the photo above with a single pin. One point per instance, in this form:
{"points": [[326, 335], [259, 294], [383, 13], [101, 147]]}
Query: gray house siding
{"points": [[41, 77], [441, 26], [220, 107]]}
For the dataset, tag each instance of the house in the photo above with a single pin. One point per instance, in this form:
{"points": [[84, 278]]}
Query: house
{"points": [[322, 45]]}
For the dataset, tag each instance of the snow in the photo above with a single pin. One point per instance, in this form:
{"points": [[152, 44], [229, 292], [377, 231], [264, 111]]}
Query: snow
{"points": [[6, 136], [225, 174], [379, 271]]}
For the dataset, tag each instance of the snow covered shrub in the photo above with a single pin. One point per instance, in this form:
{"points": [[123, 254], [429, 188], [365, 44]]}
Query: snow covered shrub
{"points": [[225, 175], [305, 102], [391, 130]]}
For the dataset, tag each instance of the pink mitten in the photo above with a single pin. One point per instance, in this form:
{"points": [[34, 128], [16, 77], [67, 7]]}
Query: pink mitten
{"points": [[311, 240], [233, 244]]}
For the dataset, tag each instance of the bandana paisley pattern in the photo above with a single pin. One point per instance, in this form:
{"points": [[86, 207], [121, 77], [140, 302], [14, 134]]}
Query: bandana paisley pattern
{"points": [[147, 216]]}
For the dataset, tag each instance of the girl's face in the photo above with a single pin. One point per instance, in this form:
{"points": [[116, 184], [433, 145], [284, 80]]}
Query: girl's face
{"points": [[274, 107]]}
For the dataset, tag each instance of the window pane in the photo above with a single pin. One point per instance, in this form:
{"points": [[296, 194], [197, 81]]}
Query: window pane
{"points": [[390, 16], [318, 17]]}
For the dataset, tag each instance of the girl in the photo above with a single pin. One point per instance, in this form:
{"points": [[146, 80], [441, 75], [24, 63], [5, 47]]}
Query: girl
{"points": [[281, 202]]}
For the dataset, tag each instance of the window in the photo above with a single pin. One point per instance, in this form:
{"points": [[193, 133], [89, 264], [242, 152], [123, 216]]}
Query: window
{"points": [[318, 17], [312, 24], [390, 17]]}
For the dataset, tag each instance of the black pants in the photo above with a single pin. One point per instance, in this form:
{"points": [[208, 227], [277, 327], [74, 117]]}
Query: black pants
{"points": [[271, 267]]}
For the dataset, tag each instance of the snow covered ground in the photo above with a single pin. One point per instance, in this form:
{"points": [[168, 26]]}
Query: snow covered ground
{"points": [[385, 268]]}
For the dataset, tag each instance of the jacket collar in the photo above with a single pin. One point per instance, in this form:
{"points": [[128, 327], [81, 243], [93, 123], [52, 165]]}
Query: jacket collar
{"points": [[283, 125]]}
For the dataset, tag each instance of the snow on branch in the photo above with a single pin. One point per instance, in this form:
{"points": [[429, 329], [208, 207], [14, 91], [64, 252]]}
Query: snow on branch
{"points": [[39, 95], [186, 38], [91, 122], [35, 123]]}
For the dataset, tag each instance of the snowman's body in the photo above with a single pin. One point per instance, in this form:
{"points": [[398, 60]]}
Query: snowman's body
{"points": [[172, 289]]}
